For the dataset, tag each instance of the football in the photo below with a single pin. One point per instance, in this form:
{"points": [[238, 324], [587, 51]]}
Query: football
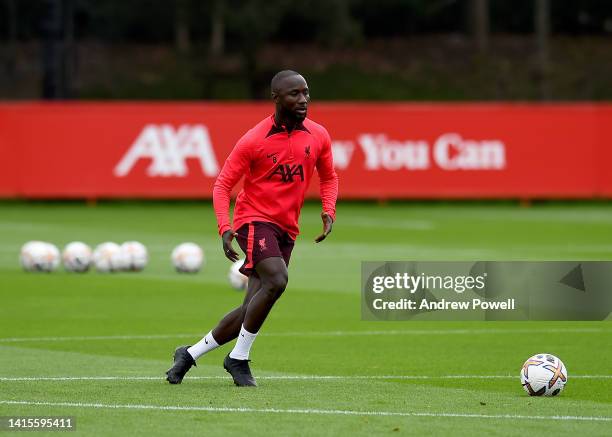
{"points": [[39, 256], [76, 257], [107, 257], [543, 375], [236, 279], [187, 258], [135, 256]]}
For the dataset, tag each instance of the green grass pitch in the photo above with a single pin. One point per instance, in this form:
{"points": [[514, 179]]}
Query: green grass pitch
{"points": [[96, 346]]}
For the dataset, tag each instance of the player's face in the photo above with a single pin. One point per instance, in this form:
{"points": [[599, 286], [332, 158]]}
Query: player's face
{"points": [[293, 97]]}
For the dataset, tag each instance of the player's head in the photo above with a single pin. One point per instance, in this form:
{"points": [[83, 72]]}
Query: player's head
{"points": [[290, 94]]}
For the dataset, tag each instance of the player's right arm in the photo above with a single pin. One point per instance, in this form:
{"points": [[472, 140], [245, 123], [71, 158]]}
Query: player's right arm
{"points": [[236, 165]]}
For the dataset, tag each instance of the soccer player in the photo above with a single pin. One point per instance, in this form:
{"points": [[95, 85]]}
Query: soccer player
{"points": [[277, 158]]}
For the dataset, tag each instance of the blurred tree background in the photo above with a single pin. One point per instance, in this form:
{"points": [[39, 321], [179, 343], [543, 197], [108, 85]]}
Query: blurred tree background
{"points": [[347, 49]]}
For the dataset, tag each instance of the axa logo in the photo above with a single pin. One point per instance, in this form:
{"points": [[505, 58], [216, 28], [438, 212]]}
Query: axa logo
{"points": [[168, 149], [288, 172]]}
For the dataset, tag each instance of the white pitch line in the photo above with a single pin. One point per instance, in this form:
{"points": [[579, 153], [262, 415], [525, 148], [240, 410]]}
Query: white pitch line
{"points": [[319, 334], [300, 411], [96, 337], [279, 377], [437, 332]]}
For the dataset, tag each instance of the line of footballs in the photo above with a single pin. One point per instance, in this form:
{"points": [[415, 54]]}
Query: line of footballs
{"points": [[131, 256]]}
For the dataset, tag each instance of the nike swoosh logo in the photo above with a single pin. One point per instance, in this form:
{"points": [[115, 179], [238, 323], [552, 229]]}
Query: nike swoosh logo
{"points": [[242, 335]]}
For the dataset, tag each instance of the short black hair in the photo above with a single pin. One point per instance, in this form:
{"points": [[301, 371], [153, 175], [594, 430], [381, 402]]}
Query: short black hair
{"points": [[280, 76]]}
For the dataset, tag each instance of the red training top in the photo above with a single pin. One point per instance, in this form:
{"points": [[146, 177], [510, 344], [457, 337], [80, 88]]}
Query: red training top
{"points": [[277, 166]]}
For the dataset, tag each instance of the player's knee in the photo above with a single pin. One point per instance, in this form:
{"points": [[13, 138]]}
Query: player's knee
{"points": [[276, 284]]}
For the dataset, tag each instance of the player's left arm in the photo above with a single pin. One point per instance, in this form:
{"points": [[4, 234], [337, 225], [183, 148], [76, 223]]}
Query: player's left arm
{"points": [[328, 187]]}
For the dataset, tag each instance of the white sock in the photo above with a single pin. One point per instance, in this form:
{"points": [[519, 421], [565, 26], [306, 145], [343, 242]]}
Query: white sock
{"points": [[203, 346], [243, 345]]}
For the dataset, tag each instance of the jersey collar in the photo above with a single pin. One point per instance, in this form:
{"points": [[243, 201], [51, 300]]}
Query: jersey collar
{"points": [[275, 129]]}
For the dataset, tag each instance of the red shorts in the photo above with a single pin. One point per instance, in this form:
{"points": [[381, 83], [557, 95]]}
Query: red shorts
{"points": [[261, 240]]}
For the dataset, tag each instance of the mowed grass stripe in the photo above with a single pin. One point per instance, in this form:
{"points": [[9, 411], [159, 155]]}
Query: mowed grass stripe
{"points": [[461, 331], [302, 411]]}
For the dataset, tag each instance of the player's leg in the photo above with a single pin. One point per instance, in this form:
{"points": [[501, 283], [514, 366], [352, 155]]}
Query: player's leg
{"points": [[273, 245], [226, 330], [273, 274], [274, 277], [229, 327]]}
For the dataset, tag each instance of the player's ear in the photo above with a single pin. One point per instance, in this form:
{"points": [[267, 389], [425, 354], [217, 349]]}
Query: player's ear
{"points": [[274, 96]]}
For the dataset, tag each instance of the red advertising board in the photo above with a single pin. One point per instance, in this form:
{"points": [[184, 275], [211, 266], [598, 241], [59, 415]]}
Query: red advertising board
{"points": [[168, 150]]}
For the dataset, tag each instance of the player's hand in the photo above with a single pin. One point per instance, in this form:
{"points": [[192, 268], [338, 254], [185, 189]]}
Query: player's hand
{"points": [[228, 250], [327, 227]]}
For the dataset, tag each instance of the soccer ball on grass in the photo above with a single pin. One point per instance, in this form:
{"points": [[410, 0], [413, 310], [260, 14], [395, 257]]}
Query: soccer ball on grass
{"points": [[39, 256], [77, 257], [543, 375], [187, 258], [135, 255]]}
